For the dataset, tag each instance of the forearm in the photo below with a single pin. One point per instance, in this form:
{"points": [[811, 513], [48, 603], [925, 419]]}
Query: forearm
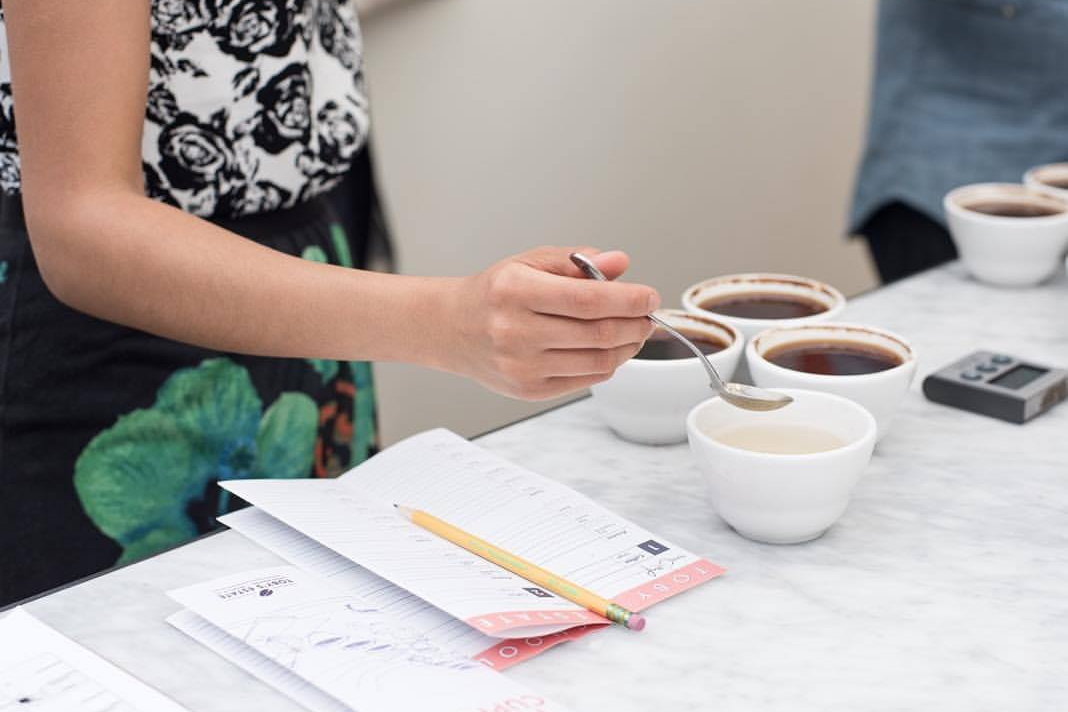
{"points": [[128, 259]]}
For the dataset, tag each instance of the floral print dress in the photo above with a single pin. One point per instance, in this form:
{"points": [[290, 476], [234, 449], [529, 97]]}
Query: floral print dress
{"points": [[113, 441]]}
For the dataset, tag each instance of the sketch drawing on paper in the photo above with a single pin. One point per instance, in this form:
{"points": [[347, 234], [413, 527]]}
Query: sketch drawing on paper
{"points": [[46, 683], [339, 636]]}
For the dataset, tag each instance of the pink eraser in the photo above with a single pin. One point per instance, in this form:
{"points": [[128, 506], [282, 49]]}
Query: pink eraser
{"points": [[636, 621]]}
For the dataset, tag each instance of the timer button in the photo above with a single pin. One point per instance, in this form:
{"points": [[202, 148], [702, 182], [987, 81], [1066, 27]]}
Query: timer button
{"points": [[1001, 359], [971, 376], [986, 368]]}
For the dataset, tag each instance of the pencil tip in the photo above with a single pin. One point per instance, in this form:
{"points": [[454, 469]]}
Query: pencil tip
{"points": [[394, 504]]}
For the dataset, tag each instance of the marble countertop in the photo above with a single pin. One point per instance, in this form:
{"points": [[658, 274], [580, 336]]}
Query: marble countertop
{"points": [[943, 586]]}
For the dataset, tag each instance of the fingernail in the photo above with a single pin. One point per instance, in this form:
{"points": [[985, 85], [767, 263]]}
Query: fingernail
{"points": [[654, 301]]}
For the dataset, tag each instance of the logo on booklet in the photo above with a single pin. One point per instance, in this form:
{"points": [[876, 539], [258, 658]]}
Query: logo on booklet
{"points": [[653, 547], [257, 587], [540, 593]]}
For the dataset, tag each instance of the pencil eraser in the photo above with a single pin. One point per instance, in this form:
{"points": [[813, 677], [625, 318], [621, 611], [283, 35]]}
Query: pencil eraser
{"points": [[636, 621]]}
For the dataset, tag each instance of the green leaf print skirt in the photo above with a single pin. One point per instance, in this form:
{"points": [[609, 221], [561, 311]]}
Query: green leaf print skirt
{"points": [[113, 441]]}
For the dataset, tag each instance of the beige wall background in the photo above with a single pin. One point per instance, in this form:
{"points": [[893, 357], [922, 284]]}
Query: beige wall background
{"points": [[702, 136]]}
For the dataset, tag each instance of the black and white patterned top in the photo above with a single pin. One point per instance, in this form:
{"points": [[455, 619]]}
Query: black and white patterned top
{"points": [[253, 105]]}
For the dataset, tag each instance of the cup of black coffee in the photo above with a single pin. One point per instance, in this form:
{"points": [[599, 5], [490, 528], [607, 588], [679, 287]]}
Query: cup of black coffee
{"points": [[648, 397], [873, 367], [753, 302], [1008, 234]]}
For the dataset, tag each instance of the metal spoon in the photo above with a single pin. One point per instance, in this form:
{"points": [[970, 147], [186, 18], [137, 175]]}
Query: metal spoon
{"points": [[737, 394]]}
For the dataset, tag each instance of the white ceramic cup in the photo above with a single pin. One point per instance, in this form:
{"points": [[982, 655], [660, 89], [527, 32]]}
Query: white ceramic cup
{"points": [[1040, 177], [1007, 251], [880, 392], [763, 283], [646, 401], [782, 499]]}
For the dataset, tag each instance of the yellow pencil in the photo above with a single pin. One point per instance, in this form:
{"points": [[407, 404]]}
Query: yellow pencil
{"points": [[521, 567]]}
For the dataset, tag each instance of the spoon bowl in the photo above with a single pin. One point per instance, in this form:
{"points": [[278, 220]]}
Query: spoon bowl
{"points": [[737, 394]]}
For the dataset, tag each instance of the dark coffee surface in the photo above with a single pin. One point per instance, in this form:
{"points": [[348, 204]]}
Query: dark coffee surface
{"points": [[1007, 209], [833, 358], [763, 306], [662, 346]]}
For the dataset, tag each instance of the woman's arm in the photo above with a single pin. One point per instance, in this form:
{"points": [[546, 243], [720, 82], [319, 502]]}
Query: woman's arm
{"points": [[524, 327]]}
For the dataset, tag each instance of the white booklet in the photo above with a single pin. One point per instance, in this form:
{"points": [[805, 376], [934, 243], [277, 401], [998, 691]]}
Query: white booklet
{"points": [[530, 515], [342, 645], [42, 670], [349, 577]]}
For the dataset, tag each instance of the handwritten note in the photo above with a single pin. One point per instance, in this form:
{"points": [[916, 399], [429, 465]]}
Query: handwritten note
{"points": [[44, 671]]}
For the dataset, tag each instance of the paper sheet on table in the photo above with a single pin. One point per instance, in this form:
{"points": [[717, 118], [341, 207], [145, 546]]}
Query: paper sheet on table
{"points": [[347, 648], [516, 509], [42, 670], [255, 663], [349, 577]]}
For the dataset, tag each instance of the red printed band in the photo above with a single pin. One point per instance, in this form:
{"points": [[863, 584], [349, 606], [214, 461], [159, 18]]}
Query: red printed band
{"points": [[674, 582], [509, 652], [497, 623]]}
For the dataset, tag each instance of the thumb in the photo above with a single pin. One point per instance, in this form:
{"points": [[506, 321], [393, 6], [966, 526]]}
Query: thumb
{"points": [[613, 263], [557, 260]]}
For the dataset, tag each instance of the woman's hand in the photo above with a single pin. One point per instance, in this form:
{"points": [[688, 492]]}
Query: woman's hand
{"points": [[533, 327]]}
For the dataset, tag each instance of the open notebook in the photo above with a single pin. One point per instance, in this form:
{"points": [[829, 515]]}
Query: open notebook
{"points": [[523, 512], [356, 555]]}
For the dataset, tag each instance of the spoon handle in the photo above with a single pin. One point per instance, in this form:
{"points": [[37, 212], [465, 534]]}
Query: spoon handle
{"points": [[717, 382], [590, 269]]}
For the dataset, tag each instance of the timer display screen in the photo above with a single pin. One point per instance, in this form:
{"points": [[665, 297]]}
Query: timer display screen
{"points": [[1018, 377]]}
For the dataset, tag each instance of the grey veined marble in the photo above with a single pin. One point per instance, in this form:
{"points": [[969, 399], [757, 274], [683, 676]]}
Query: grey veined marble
{"points": [[944, 586]]}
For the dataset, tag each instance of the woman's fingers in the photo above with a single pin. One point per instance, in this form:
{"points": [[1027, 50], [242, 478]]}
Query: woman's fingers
{"points": [[585, 362], [586, 298], [563, 385], [559, 332], [557, 260], [533, 326]]}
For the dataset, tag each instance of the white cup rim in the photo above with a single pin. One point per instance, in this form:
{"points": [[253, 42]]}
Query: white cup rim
{"points": [[1035, 172], [952, 204], [860, 443], [736, 344], [837, 299], [752, 347]]}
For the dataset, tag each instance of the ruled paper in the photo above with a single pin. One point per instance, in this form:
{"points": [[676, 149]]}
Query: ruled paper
{"points": [[255, 663]]}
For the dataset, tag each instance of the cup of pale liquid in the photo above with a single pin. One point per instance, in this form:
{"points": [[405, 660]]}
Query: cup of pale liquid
{"points": [[782, 476], [646, 400]]}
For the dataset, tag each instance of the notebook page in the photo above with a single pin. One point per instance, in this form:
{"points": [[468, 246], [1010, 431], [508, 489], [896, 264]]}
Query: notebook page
{"points": [[255, 663], [532, 516], [438, 626], [42, 670], [521, 511], [347, 648]]}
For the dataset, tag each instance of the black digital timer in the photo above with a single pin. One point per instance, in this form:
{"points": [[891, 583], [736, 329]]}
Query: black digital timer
{"points": [[998, 385]]}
